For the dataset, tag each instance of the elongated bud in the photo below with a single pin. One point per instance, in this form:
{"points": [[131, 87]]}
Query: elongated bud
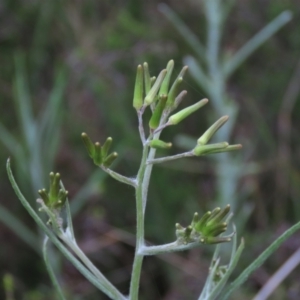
{"points": [[209, 149], [44, 196], [155, 118], [90, 147], [97, 157], [105, 148], [147, 78], [204, 139], [227, 149], [179, 98], [164, 88], [221, 214], [54, 186], [109, 159], [138, 88], [154, 89], [202, 221], [61, 199], [181, 115], [159, 144], [174, 90], [152, 80]]}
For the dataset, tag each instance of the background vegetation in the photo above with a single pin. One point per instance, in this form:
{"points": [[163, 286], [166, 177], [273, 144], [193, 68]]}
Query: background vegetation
{"points": [[68, 67]]}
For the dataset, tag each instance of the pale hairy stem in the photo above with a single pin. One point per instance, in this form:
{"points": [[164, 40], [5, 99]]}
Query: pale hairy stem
{"points": [[120, 177], [168, 158]]}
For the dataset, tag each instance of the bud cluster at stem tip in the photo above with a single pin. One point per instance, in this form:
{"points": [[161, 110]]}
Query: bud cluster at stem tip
{"points": [[206, 229], [56, 197], [99, 153]]}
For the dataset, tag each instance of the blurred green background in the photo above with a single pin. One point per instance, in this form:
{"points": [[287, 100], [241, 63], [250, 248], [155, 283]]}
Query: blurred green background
{"points": [[69, 66]]}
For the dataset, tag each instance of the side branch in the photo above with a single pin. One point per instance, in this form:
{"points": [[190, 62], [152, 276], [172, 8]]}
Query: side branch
{"points": [[167, 248], [120, 177], [168, 158]]}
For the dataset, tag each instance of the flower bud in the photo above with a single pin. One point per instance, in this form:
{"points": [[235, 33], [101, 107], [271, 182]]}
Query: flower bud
{"points": [[150, 97], [159, 144], [156, 115], [204, 139], [178, 117], [164, 88], [209, 149], [147, 78], [109, 159], [138, 88], [105, 148], [88, 144], [175, 87], [97, 157]]}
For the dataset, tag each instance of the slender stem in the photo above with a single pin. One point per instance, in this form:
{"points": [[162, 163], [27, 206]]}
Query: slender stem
{"points": [[141, 127], [168, 158], [107, 285], [171, 247], [120, 177], [50, 270], [140, 223]]}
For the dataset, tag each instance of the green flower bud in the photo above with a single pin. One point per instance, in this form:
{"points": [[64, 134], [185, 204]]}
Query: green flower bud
{"points": [[209, 149], [156, 115], [164, 88], [150, 97], [205, 229], [109, 159], [175, 88], [138, 88], [54, 187], [158, 144], [147, 78], [88, 144], [204, 139], [178, 99], [44, 196], [227, 149], [178, 117], [105, 148], [152, 80], [97, 157], [56, 197]]}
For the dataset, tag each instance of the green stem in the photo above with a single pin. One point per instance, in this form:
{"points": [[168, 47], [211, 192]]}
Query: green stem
{"points": [[140, 223], [50, 270], [260, 260]]}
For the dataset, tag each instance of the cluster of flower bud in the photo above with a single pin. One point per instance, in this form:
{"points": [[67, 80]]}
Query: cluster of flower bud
{"points": [[99, 153], [56, 197], [206, 230]]}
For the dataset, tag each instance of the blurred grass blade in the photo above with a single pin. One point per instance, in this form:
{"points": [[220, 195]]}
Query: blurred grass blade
{"points": [[20, 229], [260, 260], [50, 270], [23, 101], [241, 55], [9, 141], [185, 32]]}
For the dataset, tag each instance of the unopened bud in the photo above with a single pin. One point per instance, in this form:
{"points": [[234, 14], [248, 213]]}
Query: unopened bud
{"points": [[181, 115], [138, 88], [150, 97], [204, 139]]}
